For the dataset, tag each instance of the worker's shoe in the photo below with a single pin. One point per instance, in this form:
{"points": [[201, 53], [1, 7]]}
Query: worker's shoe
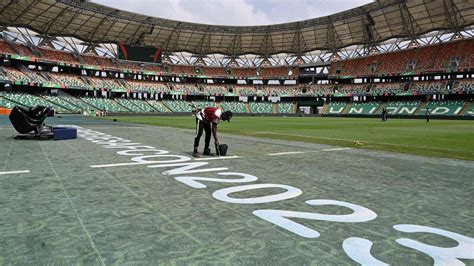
{"points": [[207, 152], [195, 154]]}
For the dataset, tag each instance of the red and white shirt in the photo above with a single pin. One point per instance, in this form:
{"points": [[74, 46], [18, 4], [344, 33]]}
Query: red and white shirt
{"points": [[210, 114]]}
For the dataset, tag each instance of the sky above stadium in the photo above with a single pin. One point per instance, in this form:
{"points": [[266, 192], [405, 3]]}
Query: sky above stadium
{"points": [[235, 12]]}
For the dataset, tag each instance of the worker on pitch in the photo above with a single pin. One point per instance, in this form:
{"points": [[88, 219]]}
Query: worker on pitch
{"points": [[207, 119]]}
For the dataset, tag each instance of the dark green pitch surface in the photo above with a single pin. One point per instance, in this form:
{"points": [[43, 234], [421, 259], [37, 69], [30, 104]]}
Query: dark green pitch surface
{"points": [[65, 212]]}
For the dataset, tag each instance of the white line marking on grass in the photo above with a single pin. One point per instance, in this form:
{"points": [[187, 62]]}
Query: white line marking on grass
{"points": [[118, 164], [15, 172], [337, 149], [285, 153], [217, 158], [365, 141], [76, 212]]}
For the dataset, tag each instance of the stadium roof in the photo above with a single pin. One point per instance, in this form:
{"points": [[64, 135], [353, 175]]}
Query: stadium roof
{"points": [[368, 24]]}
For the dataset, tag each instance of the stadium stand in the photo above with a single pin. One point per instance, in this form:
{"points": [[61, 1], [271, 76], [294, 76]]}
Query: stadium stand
{"points": [[213, 71], [426, 59], [285, 108], [178, 106], [20, 49], [235, 107], [57, 56], [402, 107], [16, 75], [351, 88], [425, 87], [182, 70], [105, 62], [260, 107], [148, 86], [365, 108], [5, 102], [215, 89], [30, 100], [5, 48], [104, 104], [245, 90], [106, 83], [135, 105], [159, 106], [89, 59], [387, 88], [470, 110], [448, 108], [335, 107], [185, 89], [466, 86], [60, 101], [201, 104], [70, 80]]}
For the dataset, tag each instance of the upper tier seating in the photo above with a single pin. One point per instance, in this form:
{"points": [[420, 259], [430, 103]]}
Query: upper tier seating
{"points": [[5, 48], [55, 55], [181, 69], [429, 58]]}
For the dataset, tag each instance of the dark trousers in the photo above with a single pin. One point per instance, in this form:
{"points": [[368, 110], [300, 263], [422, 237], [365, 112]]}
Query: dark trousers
{"points": [[200, 125]]}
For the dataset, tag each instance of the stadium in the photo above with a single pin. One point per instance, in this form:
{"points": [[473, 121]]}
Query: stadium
{"points": [[351, 140]]}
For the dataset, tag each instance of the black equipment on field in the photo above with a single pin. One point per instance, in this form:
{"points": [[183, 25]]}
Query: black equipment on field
{"points": [[29, 122], [221, 149]]}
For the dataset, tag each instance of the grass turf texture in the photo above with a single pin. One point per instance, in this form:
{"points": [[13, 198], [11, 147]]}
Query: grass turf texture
{"points": [[441, 138], [65, 212]]}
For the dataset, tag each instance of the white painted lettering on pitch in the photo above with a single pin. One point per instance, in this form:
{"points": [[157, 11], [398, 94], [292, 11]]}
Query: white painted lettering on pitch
{"points": [[280, 217], [223, 194], [333, 110], [187, 168], [192, 180], [358, 249], [143, 159], [440, 255], [407, 110], [135, 152], [15, 172], [440, 110]]}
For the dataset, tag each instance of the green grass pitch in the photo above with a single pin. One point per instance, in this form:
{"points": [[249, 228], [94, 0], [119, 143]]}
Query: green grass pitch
{"points": [[441, 138], [87, 202]]}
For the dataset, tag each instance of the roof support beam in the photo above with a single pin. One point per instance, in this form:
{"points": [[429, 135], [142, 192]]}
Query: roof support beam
{"points": [[453, 17]]}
